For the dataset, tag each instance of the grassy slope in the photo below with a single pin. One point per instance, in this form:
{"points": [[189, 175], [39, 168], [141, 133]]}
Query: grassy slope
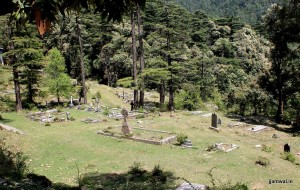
{"points": [[56, 150]]}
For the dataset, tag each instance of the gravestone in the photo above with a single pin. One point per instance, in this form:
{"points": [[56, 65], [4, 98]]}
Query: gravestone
{"points": [[187, 143], [287, 148], [131, 104], [126, 130], [71, 102], [275, 136], [214, 120], [97, 105], [1, 59], [68, 115], [219, 121]]}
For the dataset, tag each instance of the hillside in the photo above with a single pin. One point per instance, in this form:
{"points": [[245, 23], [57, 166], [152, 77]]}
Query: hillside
{"points": [[249, 11], [67, 152]]}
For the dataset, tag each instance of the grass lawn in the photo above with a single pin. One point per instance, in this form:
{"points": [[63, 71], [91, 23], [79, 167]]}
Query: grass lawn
{"points": [[57, 150]]}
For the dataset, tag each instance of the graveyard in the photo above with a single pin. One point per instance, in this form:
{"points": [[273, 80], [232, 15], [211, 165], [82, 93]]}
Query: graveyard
{"points": [[221, 148]]}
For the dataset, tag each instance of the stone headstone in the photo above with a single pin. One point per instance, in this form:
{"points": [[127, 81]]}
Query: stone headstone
{"points": [[275, 136], [131, 105], [214, 120], [68, 115], [1, 59], [126, 130], [71, 102], [219, 121], [287, 148]]}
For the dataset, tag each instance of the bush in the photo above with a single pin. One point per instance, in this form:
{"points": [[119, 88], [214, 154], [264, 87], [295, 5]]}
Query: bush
{"points": [[125, 82], [265, 148], [211, 148], [105, 111], [263, 161], [181, 138], [158, 175], [229, 186], [187, 100], [288, 156], [12, 165], [97, 95], [136, 170], [163, 107], [140, 116]]}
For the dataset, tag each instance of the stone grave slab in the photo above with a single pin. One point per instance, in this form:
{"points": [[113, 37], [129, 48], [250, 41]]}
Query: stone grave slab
{"points": [[226, 147], [258, 128], [206, 115], [192, 186], [9, 128]]}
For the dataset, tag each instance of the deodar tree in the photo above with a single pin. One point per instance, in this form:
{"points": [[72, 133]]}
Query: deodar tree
{"points": [[282, 24]]}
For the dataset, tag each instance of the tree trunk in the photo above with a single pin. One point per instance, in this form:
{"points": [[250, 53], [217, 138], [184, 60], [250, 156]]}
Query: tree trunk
{"points": [[162, 93], [134, 59], [297, 124], [17, 90], [81, 63], [169, 60], [279, 88], [171, 86], [141, 53]]}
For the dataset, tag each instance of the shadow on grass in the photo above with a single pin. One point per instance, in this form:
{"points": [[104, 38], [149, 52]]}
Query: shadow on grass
{"points": [[134, 179], [5, 121], [262, 120]]}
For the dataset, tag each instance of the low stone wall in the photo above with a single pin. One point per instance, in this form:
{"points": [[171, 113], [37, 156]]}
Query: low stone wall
{"points": [[148, 141]]}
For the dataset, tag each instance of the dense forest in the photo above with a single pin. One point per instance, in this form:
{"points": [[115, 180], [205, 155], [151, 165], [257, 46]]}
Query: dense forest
{"points": [[249, 11], [189, 57]]}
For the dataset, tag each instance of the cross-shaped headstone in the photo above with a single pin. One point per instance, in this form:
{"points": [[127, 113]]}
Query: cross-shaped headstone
{"points": [[126, 130]]}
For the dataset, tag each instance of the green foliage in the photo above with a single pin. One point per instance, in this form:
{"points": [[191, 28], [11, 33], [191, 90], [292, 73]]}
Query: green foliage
{"points": [[136, 170], [288, 156], [12, 164], [181, 138], [263, 161], [97, 95], [125, 82], [230, 186], [265, 148], [187, 100], [58, 82], [6, 104], [105, 111]]}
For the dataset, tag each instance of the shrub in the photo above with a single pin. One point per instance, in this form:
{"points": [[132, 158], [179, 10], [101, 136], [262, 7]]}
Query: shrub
{"points": [[189, 100], [136, 170], [12, 165], [47, 124], [181, 138], [125, 82], [105, 111], [158, 175], [211, 148], [230, 186], [140, 116], [265, 148], [98, 95], [288, 156], [163, 108], [263, 161], [72, 118]]}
